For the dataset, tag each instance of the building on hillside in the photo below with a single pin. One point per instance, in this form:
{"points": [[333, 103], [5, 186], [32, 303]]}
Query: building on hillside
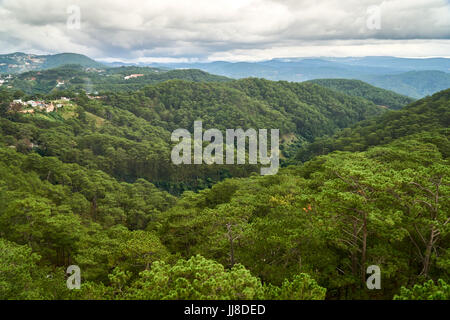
{"points": [[133, 76], [32, 103], [41, 105], [49, 107], [27, 111]]}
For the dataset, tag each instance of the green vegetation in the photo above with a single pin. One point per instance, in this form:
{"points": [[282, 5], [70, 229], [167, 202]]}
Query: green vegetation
{"points": [[410, 77], [430, 116], [76, 77], [330, 218], [361, 89], [22, 278], [21, 62], [428, 291], [416, 84], [127, 135], [198, 279], [92, 185]]}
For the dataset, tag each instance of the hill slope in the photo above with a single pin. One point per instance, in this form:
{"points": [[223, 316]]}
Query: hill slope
{"points": [[411, 77], [306, 110], [414, 84], [426, 115], [77, 77], [334, 215], [132, 129], [359, 88], [76, 189], [20, 62]]}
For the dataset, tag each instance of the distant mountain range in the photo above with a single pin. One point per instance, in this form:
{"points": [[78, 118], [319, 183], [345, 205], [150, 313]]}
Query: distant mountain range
{"points": [[21, 62], [411, 77], [414, 84]]}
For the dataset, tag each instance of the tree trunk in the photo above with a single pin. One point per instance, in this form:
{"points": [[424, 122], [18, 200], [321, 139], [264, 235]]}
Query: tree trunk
{"points": [[230, 237], [364, 248], [427, 256]]}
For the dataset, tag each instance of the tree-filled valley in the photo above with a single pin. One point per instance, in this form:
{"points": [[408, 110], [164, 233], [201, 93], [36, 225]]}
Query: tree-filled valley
{"points": [[364, 181]]}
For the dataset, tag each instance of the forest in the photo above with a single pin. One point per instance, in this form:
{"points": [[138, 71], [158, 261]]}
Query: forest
{"points": [[74, 77], [365, 181]]}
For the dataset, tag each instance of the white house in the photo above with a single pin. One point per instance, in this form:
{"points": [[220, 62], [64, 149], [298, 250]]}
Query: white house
{"points": [[133, 76], [32, 103]]}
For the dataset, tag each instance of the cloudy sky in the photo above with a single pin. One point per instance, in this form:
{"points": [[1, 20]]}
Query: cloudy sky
{"points": [[233, 30]]}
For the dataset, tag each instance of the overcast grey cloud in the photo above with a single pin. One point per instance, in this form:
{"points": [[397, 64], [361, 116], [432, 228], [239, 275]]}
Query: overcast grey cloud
{"points": [[182, 30]]}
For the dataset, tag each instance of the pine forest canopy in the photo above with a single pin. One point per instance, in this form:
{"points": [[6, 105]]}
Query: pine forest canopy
{"points": [[365, 181]]}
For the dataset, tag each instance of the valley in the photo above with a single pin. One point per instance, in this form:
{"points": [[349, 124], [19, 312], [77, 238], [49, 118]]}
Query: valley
{"points": [[90, 182]]}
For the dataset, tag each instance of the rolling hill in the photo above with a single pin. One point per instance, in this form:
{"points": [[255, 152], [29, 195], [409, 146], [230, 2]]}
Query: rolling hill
{"points": [[359, 88], [415, 78], [134, 127], [431, 114], [411, 77], [414, 84], [21, 62], [77, 77], [83, 186]]}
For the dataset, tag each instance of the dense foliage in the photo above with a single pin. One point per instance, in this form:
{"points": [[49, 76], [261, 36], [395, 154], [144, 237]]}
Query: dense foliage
{"points": [[87, 186], [427, 291], [358, 88], [21, 62], [127, 135], [76, 77], [430, 116], [415, 84]]}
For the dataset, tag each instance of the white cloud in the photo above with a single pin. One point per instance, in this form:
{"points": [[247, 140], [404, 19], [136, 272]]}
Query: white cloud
{"points": [[226, 29]]}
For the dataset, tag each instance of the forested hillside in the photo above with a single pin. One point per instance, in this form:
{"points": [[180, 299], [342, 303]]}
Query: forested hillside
{"points": [[19, 62], [415, 84], [76, 77], [414, 77], [428, 115], [331, 218], [92, 185], [359, 88], [127, 134]]}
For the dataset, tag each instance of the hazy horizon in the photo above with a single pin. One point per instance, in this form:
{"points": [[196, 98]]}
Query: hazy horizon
{"points": [[142, 60]]}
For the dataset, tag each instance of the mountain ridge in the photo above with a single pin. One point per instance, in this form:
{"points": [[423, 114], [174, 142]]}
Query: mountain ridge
{"points": [[19, 62], [413, 77], [359, 88]]}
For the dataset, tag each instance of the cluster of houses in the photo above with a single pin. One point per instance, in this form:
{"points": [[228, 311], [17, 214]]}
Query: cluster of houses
{"points": [[31, 106], [4, 80]]}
